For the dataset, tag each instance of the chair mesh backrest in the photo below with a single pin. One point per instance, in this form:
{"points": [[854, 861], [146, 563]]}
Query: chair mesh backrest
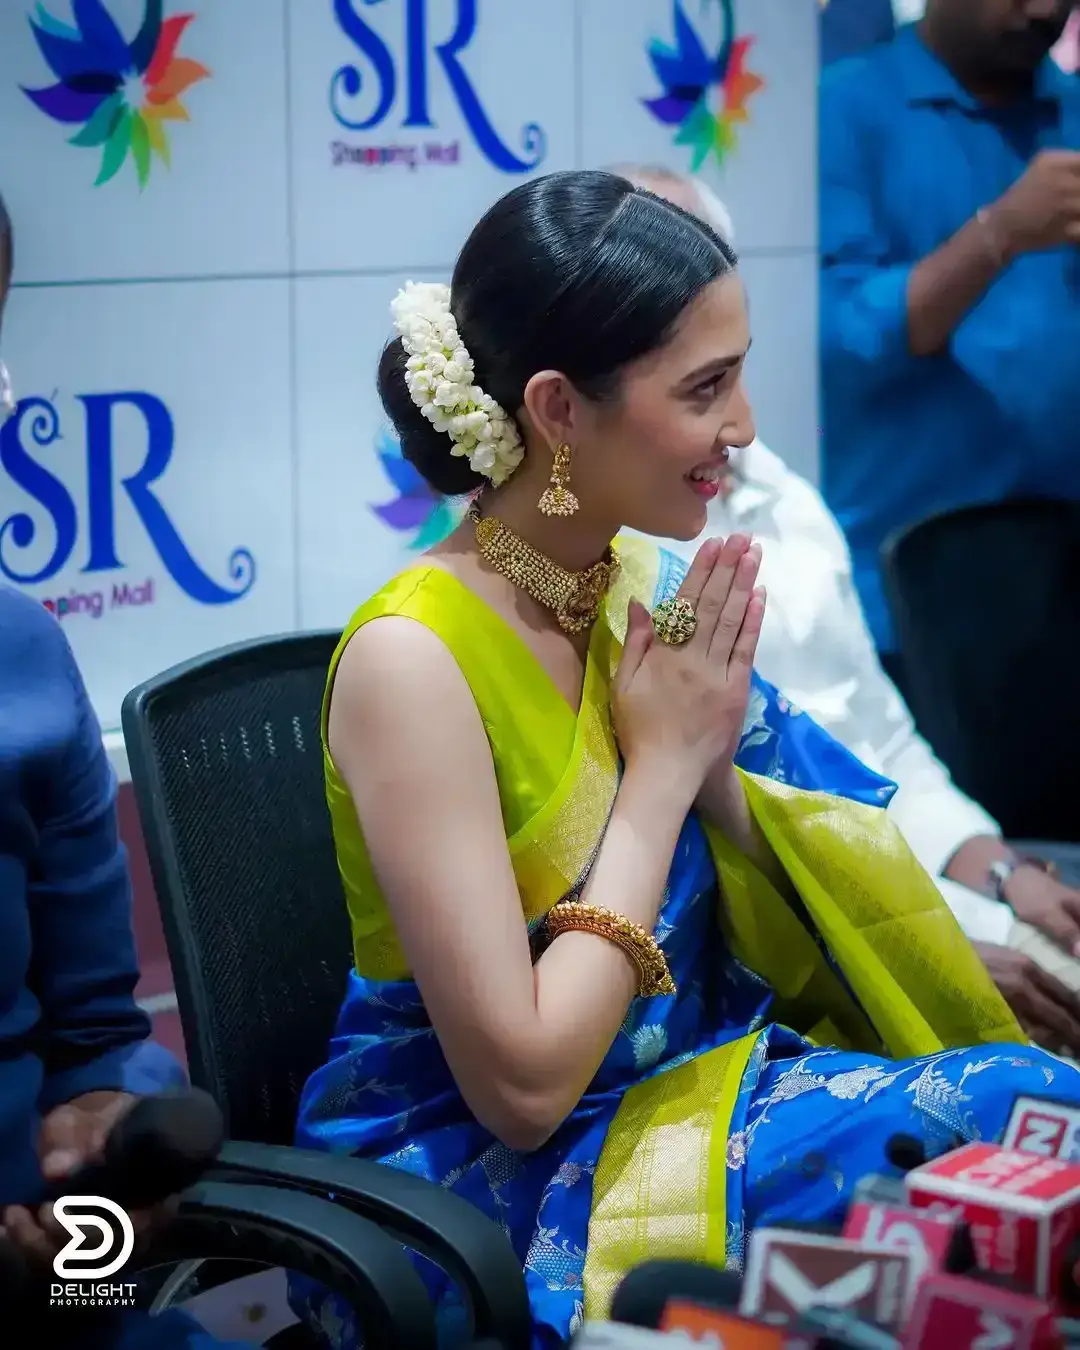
{"points": [[987, 610], [227, 768]]}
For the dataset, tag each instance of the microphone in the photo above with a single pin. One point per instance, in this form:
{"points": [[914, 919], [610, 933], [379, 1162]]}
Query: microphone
{"points": [[835, 1327], [689, 1300], [643, 1296], [711, 1326], [159, 1148], [905, 1153], [788, 1273], [1041, 1125], [618, 1336], [931, 1241], [1023, 1211], [953, 1313]]}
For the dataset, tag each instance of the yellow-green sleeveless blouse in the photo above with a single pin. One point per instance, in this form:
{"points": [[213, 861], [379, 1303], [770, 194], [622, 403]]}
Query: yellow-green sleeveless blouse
{"points": [[537, 743]]}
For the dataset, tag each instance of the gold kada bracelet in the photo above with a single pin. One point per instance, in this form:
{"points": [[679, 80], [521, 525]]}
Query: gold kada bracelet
{"points": [[640, 946]]}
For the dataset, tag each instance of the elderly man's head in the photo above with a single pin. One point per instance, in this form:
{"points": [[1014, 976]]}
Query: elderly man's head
{"points": [[690, 193]]}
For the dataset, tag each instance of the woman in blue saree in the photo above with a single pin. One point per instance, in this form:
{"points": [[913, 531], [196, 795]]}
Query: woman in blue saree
{"points": [[545, 800]]}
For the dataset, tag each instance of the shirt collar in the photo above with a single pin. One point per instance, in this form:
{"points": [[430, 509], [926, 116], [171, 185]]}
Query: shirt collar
{"points": [[928, 80]]}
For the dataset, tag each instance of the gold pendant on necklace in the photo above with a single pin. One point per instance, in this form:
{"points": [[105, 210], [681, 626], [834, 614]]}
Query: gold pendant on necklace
{"points": [[573, 597]]}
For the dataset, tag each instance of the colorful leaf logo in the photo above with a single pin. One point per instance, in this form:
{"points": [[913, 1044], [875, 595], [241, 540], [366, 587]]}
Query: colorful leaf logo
{"points": [[417, 508], [120, 93], [704, 96]]}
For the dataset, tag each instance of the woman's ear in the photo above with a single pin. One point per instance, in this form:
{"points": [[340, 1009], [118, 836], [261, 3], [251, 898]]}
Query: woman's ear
{"points": [[549, 403]]}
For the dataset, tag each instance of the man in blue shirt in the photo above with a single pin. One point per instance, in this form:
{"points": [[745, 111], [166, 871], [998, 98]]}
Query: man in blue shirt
{"points": [[74, 1051], [950, 296], [850, 26]]}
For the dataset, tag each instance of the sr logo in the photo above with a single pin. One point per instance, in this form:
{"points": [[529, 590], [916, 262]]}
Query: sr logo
{"points": [[58, 514], [379, 80], [81, 1215]]}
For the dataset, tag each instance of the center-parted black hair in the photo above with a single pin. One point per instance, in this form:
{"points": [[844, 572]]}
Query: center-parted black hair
{"points": [[579, 272]]}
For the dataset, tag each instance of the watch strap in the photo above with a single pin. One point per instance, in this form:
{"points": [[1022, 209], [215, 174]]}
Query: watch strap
{"points": [[1001, 871]]}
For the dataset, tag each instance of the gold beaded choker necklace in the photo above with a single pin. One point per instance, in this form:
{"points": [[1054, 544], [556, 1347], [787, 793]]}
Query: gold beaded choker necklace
{"points": [[573, 597]]}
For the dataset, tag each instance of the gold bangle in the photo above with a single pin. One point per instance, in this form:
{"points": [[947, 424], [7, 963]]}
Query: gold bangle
{"points": [[639, 946]]}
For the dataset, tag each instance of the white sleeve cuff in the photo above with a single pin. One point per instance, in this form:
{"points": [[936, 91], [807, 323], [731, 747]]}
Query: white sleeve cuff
{"points": [[982, 919]]}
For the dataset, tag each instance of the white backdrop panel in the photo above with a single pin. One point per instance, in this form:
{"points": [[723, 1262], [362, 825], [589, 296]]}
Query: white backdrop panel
{"points": [[220, 209], [769, 180], [161, 462], [345, 550], [404, 184]]}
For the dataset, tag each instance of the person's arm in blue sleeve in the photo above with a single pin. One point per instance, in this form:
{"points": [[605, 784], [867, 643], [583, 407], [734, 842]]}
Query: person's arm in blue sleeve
{"points": [[879, 312], [93, 1034]]}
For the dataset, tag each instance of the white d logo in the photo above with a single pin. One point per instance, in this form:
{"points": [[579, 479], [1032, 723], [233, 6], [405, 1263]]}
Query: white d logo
{"points": [[71, 1214]]}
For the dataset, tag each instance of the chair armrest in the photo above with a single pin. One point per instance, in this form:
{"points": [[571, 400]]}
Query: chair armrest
{"points": [[454, 1234], [309, 1235]]}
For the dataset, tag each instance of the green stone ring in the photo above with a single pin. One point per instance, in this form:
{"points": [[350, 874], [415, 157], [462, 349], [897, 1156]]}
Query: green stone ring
{"points": [[675, 621]]}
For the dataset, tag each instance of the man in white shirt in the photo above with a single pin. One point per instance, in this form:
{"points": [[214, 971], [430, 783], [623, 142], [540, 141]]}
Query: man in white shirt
{"points": [[815, 645]]}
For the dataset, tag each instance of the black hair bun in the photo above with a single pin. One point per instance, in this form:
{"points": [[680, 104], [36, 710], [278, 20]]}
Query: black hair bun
{"points": [[426, 449]]}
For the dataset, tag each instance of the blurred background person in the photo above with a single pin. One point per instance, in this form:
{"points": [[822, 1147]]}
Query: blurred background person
{"points": [[815, 646], [850, 26], [950, 287], [1067, 52]]}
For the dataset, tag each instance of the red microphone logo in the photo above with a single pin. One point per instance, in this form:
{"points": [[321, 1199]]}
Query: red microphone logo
{"points": [[1023, 1210], [1051, 1129], [953, 1313], [788, 1273]]}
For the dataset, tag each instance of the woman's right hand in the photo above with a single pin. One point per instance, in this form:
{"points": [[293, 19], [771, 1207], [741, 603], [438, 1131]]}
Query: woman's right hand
{"points": [[678, 711]]}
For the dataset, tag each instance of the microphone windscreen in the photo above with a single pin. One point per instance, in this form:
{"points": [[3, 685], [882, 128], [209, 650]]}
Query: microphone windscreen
{"points": [[905, 1152], [644, 1293], [178, 1125], [162, 1146]]}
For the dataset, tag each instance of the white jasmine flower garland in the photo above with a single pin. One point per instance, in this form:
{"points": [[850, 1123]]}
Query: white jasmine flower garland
{"points": [[439, 374]]}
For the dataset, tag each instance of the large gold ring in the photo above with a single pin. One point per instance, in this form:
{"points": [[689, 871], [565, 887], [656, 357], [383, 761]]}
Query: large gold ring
{"points": [[675, 621]]}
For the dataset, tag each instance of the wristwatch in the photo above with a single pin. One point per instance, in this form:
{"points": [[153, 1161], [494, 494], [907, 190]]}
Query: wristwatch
{"points": [[1002, 869]]}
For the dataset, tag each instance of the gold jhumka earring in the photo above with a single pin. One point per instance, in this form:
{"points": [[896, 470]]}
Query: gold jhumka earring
{"points": [[557, 499]]}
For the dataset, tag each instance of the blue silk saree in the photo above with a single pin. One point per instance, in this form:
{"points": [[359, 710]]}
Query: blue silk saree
{"points": [[729, 1104]]}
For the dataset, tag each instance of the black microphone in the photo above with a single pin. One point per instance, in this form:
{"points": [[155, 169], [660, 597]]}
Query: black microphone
{"points": [[159, 1148], [905, 1152], [645, 1292]]}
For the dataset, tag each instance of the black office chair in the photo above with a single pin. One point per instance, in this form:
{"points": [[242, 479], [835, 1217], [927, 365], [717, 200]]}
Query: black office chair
{"points": [[271, 1226], [986, 603], [226, 765]]}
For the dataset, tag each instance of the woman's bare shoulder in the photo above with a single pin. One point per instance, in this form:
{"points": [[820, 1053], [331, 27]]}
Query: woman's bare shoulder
{"points": [[396, 656], [399, 691]]}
